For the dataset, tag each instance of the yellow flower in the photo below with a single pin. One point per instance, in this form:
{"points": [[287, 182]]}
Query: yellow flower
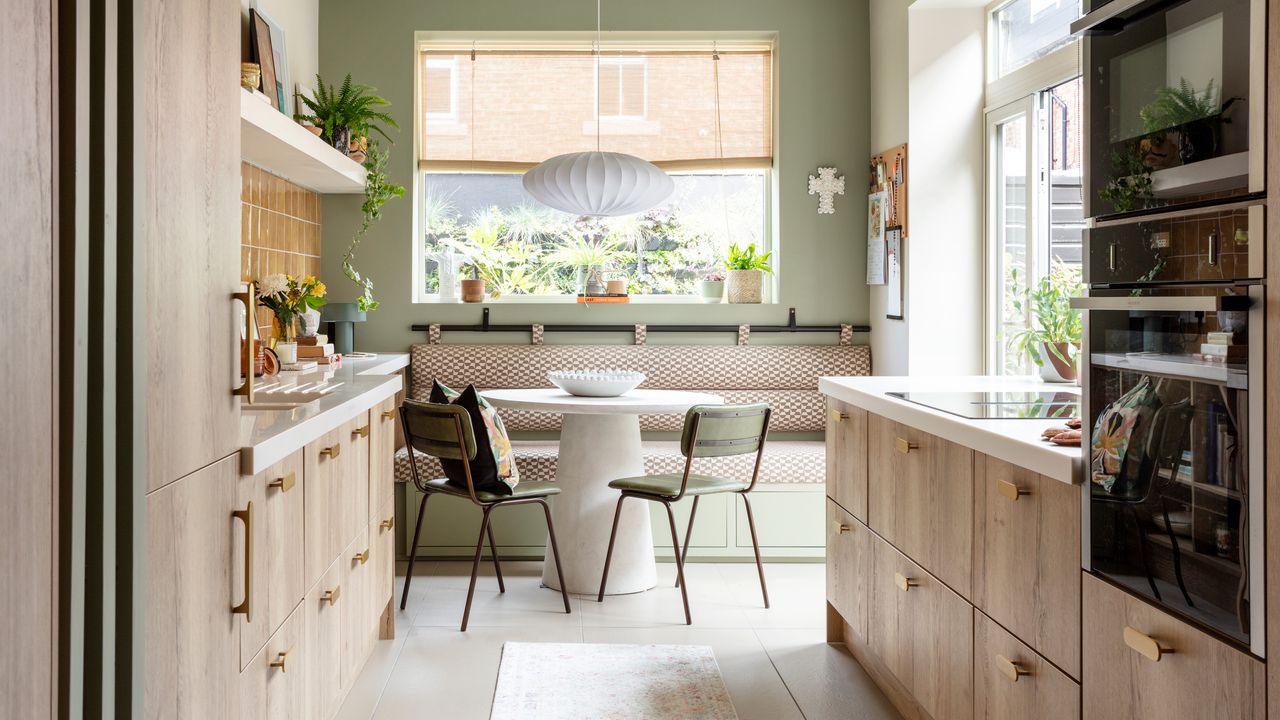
{"points": [[319, 290], [310, 279]]}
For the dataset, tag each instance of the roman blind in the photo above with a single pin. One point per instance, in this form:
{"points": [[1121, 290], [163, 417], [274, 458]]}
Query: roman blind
{"points": [[508, 110]]}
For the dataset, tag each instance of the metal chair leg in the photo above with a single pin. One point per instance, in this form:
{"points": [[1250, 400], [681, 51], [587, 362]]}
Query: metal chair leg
{"points": [[688, 533], [751, 523], [675, 541], [413, 550], [555, 553], [497, 566], [475, 566], [608, 555]]}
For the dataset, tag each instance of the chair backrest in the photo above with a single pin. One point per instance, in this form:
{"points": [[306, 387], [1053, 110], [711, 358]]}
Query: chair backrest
{"points": [[438, 429], [721, 430]]}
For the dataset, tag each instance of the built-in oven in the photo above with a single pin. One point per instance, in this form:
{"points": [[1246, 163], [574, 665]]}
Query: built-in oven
{"points": [[1175, 103]]}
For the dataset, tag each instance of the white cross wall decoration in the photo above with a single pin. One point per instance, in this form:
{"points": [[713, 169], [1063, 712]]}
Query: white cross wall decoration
{"points": [[826, 185]]}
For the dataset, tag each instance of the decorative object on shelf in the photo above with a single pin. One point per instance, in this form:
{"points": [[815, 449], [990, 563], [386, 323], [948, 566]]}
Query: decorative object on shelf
{"points": [[893, 273], [746, 272], [287, 352], [1053, 339], [250, 75], [310, 322], [875, 238], [712, 287], [267, 47], [377, 191], [602, 184], [343, 316], [287, 298], [448, 261], [596, 383], [826, 186], [591, 259], [615, 286]]}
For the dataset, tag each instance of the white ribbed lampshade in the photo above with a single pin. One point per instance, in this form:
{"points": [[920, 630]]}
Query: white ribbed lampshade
{"points": [[603, 184]]}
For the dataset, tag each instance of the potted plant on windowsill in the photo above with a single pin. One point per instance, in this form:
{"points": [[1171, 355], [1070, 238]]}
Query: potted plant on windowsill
{"points": [[712, 287], [746, 272], [1053, 339]]}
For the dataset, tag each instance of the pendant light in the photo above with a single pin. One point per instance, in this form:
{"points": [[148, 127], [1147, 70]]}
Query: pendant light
{"points": [[600, 184]]}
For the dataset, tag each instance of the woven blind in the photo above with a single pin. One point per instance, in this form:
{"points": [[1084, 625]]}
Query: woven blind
{"points": [[507, 111]]}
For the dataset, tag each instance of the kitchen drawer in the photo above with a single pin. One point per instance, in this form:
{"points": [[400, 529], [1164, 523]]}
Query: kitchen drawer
{"points": [[274, 683], [849, 567], [324, 462], [1193, 675], [277, 558], [382, 534], [847, 457], [922, 632], [1012, 682], [920, 498], [383, 421], [359, 623], [355, 487], [1026, 559], [324, 606]]}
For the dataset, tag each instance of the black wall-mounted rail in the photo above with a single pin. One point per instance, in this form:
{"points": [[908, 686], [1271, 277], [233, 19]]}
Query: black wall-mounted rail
{"points": [[486, 326]]}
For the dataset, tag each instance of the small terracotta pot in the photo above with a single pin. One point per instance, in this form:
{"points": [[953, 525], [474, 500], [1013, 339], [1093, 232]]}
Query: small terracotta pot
{"points": [[473, 291], [1064, 371], [314, 130]]}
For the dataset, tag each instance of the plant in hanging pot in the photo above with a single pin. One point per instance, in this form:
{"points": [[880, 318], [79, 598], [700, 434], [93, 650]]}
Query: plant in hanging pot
{"points": [[1053, 339], [746, 272], [288, 298], [712, 288]]}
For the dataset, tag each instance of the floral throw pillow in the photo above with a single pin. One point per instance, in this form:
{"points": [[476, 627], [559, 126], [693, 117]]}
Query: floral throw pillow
{"points": [[494, 469], [1119, 440]]}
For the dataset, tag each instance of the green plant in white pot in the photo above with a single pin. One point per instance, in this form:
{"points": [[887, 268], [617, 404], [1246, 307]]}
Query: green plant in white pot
{"points": [[746, 270], [1053, 340]]}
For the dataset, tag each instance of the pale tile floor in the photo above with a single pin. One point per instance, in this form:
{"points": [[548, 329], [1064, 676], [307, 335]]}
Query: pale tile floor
{"points": [[775, 662]]}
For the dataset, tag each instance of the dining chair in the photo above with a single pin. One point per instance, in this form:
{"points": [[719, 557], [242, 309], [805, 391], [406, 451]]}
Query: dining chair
{"points": [[445, 431], [709, 431]]}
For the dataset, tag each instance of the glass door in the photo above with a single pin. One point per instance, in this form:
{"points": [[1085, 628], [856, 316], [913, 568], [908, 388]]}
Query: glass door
{"points": [[1011, 213]]}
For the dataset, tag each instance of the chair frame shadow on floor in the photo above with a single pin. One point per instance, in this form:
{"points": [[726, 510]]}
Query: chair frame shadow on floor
{"points": [[698, 418], [438, 419]]}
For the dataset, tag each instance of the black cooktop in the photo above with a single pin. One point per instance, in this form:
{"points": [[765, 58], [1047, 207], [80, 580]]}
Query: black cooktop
{"points": [[999, 405]]}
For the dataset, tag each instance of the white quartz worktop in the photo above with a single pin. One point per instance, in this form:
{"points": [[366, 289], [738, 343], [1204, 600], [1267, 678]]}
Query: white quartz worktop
{"points": [[1016, 441], [351, 387]]}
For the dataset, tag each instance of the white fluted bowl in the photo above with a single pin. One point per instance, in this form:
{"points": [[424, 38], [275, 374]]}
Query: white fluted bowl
{"points": [[596, 383]]}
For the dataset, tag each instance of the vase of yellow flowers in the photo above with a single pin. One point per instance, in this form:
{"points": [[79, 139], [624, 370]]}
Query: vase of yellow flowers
{"points": [[288, 298]]}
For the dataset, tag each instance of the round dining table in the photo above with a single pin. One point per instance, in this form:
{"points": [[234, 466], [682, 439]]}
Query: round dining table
{"points": [[599, 442]]}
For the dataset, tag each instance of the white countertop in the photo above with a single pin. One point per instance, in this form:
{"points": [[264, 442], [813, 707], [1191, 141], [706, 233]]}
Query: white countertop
{"points": [[1016, 441], [353, 386]]}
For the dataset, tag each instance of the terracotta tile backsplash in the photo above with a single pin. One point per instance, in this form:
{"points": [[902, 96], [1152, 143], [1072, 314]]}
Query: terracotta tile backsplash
{"points": [[279, 230]]}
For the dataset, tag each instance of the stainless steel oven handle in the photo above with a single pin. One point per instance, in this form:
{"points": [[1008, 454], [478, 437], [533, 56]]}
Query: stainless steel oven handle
{"points": [[1167, 303]]}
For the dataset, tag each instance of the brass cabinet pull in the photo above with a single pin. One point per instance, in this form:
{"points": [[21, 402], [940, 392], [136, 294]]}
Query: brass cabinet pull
{"points": [[360, 432], [281, 659], [388, 524], [246, 516], [389, 414], [332, 451], [361, 557], [1145, 645], [839, 416], [1010, 669], [904, 446], [285, 483], [1010, 490], [844, 528], [331, 596], [903, 582]]}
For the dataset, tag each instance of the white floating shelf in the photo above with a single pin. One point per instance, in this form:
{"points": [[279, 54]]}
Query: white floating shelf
{"points": [[274, 142], [1206, 176], [1177, 366]]}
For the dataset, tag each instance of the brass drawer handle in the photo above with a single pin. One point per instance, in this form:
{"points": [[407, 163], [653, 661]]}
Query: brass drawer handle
{"points": [[844, 528], [360, 432], [904, 446], [903, 582], [361, 557], [1145, 645], [388, 524], [1010, 669], [281, 659], [286, 483], [245, 607], [332, 451], [839, 416], [331, 596], [1010, 490], [388, 414]]}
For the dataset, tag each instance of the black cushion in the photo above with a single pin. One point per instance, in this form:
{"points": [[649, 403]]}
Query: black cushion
{"points": [[484, 470]]}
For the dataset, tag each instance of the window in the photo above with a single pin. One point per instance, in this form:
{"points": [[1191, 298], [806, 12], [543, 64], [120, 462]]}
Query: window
{"points": [[703, 114], [1024, 31]]}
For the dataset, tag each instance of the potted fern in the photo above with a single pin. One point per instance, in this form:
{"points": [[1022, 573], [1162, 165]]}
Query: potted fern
{"points": [[746, 269], [346, 115]]}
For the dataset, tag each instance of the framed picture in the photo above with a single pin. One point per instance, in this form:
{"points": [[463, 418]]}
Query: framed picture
{"points": [[875, 238], [893, 273], [260, 52], [262, 26]]}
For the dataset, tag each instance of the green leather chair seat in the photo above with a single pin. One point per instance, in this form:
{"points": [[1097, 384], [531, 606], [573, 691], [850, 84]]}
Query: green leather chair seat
{"points": [[668, 485], [528, 489]]}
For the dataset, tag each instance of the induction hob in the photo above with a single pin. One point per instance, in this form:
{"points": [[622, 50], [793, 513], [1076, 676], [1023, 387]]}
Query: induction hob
{"points": [[999, 405]]}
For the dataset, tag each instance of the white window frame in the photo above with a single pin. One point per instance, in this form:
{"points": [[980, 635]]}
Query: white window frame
{"points": [[618, 62], [451, 64]]}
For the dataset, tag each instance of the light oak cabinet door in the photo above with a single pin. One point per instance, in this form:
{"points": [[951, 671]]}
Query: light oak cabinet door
{"points": [[1142, 664], [382, 536], [921, 498], [192, 637], [1026, 572], [383, 422], [849, 567], [274, 683], [277, 560], [325, 606], [326, 507], [923, 634], [847, 457], [355, 477], [359, 624], [1012, 682]]}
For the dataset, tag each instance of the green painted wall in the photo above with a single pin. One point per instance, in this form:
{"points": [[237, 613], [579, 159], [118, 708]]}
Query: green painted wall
{"points": [[822, 66]]}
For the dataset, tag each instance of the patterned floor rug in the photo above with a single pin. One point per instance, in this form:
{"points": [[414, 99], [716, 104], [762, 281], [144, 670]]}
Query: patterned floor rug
{"points": [[578, 681]]}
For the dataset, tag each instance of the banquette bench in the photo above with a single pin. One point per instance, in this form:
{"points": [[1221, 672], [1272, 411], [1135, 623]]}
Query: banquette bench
{"points": [[788, 500]]}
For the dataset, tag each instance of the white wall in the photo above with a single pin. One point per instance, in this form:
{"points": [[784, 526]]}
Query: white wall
{"points": [[300, 20]]}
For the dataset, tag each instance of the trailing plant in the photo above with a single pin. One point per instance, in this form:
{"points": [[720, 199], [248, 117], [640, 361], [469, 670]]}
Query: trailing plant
{"points": [[1179, 106], [1130, 187], [352, 106], [377, 191], [740, 259], [1053, 321]]}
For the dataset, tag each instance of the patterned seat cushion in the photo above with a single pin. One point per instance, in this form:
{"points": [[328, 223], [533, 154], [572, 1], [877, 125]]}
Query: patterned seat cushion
{"points": [[785, 461]]}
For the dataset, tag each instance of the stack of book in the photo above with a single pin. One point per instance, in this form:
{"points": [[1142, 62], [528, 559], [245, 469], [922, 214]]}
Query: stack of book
{"points": [[1222, 347], [318, 349]]}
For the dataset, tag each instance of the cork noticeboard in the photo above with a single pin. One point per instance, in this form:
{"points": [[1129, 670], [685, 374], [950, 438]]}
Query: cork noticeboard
{"points": [[888, 173]]}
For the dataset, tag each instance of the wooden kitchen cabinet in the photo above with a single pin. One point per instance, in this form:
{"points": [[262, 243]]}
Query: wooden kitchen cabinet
{"points": [[382, 536], [849, 567], [326, 509], [384, 418], [359, 622], [1012, 682], [920, 498], [273, 684], [922, 633], [355, 482], [846, 438], [1026, 558], [192, 636], [1191, 675], [277, 558], [324, 606]]}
